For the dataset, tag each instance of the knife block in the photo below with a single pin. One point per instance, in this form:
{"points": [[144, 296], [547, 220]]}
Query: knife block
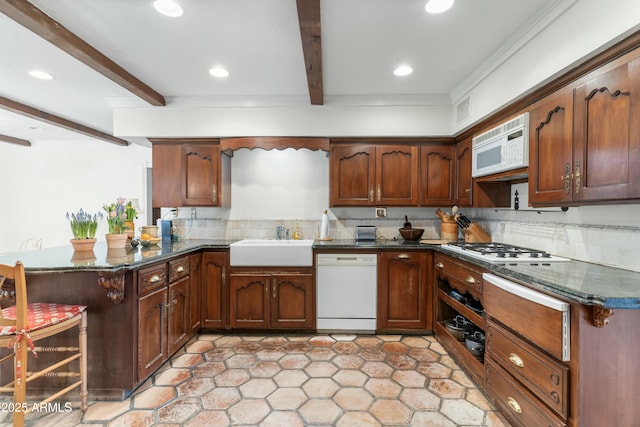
{"points": [[475, 234]]}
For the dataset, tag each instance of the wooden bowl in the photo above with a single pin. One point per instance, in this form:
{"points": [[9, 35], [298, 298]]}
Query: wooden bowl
{"points": [[411, 233]]}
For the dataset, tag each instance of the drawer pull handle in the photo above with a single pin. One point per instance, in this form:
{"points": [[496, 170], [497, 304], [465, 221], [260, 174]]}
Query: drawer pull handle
{"points": [[516, 360], [514, 405], [180, 269], [470, 279], [155, 278], [403, 256], [439, 265]]}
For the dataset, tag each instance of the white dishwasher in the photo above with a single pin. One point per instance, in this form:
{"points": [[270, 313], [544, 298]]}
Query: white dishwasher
{"points": [[347, 287]]}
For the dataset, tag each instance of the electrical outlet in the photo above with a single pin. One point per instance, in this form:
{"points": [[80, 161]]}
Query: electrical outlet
{"points": [[381, 212], [193, 213]]}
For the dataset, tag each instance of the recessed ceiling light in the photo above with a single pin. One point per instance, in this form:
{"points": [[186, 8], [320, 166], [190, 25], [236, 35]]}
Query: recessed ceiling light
{"points": [[39, 74], [403, 70], [168, 8], [438, 6], [218, 72]]}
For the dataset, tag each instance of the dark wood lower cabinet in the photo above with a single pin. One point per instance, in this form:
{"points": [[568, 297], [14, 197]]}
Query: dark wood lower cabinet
{"points": [[405, 300], [272, 299], [152, 344], [214, 290], [164, 315]]}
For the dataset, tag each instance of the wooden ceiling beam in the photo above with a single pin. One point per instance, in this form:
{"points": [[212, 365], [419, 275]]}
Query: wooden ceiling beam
{"points": [[41, 24], [12, 140], [34, 113], [310, 32]]}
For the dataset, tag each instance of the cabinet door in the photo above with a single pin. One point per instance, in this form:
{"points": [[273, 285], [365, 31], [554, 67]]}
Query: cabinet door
{"points": [[397, 175], [404, 301], [607, 135], [551, 149], [293, 301], [178, 325], [152, 335], [463, 180], [214, 290], [195, 307], [166, 175], [352, 175], [249, 301], [200, 174], [437, 175]]}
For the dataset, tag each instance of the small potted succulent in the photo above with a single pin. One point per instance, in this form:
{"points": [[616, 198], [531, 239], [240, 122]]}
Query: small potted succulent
{"points": [[83, 226]]}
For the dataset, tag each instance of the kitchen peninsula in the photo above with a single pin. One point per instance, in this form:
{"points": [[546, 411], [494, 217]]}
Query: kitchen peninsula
{"points": [[145, 303]]}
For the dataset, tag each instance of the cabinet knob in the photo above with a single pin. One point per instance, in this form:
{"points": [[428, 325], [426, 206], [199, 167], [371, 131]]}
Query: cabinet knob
{"points": [[439, 265], [516, 360], [467, 190], [403, 256], [379, 191], [180, 269], [514, 405], [371, 194], [155, 278], [214, 193], [470, 280]]}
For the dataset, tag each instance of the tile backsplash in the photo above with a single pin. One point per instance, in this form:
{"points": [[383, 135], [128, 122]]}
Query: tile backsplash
{"points": [[617, 246]]}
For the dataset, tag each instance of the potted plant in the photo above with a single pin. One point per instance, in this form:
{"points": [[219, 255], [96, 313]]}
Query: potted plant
{"points": [[116, 217], [83, 227], [131, 213]]}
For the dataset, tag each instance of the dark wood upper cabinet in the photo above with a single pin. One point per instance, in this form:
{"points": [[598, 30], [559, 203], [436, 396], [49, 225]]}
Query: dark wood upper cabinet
{"points": [[463, 181], [190, 173], [607, 135], [372, 174], [585, 139], [437, 175], [551, 148], [353, 175]]}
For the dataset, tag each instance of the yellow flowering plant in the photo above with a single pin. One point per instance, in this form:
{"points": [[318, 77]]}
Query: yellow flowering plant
{"points": [[116, 216]]}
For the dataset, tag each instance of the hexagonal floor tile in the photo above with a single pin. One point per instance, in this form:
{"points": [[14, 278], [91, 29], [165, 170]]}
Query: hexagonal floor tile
{"points": [[391, 411], [290, 398], [320, 411], [220, 398], [353, 399]]}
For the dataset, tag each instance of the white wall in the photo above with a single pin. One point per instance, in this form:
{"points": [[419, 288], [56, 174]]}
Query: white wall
{"points": [[41, 183]]}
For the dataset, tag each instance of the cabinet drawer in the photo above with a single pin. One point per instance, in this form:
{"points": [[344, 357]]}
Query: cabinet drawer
{"points": [[151, 278], [460, 275], [544, 376], [517, 404], [541, 319], [178, 269]]}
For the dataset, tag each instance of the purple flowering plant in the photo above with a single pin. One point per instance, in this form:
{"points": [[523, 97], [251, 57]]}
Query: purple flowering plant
{"points": [[83, 224]]}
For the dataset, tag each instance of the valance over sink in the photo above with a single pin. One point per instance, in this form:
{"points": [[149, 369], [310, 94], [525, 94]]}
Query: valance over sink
{"points": [[271, 253]]}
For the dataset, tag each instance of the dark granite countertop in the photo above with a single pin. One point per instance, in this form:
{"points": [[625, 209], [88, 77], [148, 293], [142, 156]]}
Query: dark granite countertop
{"points": [[63, 259], [582, 282]]}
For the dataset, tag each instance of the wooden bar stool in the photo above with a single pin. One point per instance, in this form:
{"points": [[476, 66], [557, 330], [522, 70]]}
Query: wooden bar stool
{"points": [[23, 324]]}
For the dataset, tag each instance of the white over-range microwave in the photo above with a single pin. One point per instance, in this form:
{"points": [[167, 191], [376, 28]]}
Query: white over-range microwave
{"points": [[501, 149]]}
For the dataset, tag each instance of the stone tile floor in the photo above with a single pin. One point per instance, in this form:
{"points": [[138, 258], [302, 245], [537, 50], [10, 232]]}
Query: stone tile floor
{"points": [[295, 380]]}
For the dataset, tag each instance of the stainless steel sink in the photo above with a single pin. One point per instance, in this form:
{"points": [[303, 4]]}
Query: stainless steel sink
{"points": [[271, 253]]}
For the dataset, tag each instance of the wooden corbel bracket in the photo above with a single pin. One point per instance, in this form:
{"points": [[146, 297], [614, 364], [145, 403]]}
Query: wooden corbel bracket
{"points": [[113, 282], [601, 316]]}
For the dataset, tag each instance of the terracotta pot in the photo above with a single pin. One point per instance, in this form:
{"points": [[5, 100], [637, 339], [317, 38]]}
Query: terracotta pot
{"points": [[115, 241], [83, 245]]}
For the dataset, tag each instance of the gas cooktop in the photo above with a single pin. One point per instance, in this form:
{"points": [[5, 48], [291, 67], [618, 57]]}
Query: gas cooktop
{"points": [[500, 253]]}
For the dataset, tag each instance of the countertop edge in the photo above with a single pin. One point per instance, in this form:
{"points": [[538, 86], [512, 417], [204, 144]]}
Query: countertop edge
{"points": [[204, 245]]}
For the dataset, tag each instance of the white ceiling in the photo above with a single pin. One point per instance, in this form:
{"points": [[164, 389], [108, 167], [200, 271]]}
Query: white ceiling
{"points": [[259, 42]]}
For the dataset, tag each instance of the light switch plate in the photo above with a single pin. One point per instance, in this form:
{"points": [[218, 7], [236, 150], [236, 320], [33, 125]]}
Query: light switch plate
{"points": [[381, 212]]}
